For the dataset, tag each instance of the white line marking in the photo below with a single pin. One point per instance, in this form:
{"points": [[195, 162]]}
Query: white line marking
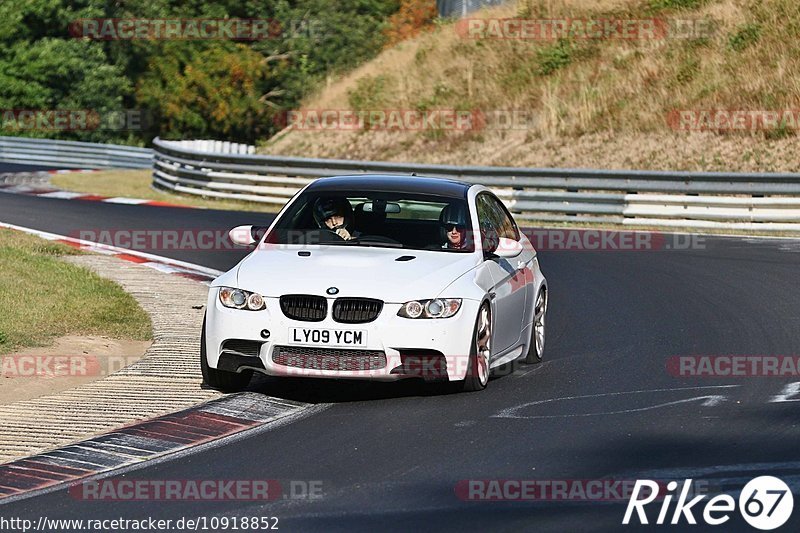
{"points": [[533, 368], [792, 389], [64, 195], [693, 471], [714, 401], [121, 200], [101, 248], [710, 401], [168, 269]]}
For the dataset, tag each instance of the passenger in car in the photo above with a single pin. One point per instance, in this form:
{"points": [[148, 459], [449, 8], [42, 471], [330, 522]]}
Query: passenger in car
{"points": [[453, 227]]}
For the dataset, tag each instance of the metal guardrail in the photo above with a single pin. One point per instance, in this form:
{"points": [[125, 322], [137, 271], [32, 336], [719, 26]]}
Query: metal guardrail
{"points": [[72, 154], [461, 8], [701, 200]]}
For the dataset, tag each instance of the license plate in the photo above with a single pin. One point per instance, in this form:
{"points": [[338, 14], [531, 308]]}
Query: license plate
{"points": [[328, 337]]}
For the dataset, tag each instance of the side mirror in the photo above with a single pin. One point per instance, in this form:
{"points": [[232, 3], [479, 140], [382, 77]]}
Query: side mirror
{"points": [[508, 248], [242, 235]]}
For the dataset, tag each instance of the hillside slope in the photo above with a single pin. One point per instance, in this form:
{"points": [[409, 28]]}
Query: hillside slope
{"points": [[665, 99]]}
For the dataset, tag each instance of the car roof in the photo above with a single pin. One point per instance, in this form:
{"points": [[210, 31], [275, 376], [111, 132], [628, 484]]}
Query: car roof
{"points": [[411, 184]]}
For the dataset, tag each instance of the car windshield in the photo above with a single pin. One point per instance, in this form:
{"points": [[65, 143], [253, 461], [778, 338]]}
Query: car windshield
{"points": [[379, 219]]}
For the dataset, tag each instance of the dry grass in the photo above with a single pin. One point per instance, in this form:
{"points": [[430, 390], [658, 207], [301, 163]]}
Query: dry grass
{"points": [[592, 102], [138, 184]]}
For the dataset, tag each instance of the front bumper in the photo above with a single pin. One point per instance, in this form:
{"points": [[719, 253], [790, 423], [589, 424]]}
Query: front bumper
{"points": [[411, 347]]}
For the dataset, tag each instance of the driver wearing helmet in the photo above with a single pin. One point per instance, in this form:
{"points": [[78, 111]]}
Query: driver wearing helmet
{"points": [[453, 227], [336, 215]]}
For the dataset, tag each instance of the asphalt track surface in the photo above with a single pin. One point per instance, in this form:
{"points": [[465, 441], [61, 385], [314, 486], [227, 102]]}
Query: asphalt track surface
{"points": [[13, 167], [602, 405]]}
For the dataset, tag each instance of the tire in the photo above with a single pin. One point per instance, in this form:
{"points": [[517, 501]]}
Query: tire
{"points": [[478, 368], [220, 379], [536, 345]]}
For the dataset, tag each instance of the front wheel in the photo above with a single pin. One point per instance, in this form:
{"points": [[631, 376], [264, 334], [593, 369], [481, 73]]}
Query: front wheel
{"points": [[536, 346], [478, 367], [220, 379]]}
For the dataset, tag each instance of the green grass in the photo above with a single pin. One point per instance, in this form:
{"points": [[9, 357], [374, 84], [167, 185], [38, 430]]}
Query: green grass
{"points": [[744, 37], [555, 57], [676, 4], [369, 93], [138, 184], [43, 297]]}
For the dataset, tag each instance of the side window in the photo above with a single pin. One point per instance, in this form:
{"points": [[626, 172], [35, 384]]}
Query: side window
{"points": [[503, 221], [487, 218]]}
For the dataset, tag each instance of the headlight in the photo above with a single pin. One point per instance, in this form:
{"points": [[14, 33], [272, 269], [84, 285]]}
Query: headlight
{"points": [[239, 299], [436, 308]]}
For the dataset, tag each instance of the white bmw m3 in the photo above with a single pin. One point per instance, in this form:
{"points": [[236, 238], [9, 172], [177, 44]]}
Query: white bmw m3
{"points": [[378, 278]]}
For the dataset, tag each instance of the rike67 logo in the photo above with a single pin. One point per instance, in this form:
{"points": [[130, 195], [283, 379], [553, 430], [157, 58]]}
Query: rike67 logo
{"points": [[765, 503]]}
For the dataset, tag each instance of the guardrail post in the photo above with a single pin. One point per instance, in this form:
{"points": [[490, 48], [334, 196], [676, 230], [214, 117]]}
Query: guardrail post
{"points": [[694, 200]]}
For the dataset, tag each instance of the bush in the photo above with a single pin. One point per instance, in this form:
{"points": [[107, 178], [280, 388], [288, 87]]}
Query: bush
{"points": [[220, 89], [412, 17]]}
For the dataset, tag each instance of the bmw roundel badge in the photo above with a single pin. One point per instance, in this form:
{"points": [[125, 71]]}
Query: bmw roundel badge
{"points": [[332, 290]]}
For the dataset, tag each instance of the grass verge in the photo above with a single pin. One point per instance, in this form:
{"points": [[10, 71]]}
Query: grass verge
{"points": [[43, 297], [138, 184], [683, 230], [578, 101]]}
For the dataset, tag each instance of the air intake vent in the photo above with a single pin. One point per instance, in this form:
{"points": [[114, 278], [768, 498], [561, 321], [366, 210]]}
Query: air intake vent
{"points": [[242, 347], [304, 307], [356, 310], [329, 358]]}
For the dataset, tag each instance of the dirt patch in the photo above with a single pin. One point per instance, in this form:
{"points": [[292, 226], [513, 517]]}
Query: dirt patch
{"points": [[71, 361]]}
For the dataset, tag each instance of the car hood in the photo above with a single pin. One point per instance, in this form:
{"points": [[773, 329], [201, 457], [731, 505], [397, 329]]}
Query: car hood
{"points": [[355, 271]]}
